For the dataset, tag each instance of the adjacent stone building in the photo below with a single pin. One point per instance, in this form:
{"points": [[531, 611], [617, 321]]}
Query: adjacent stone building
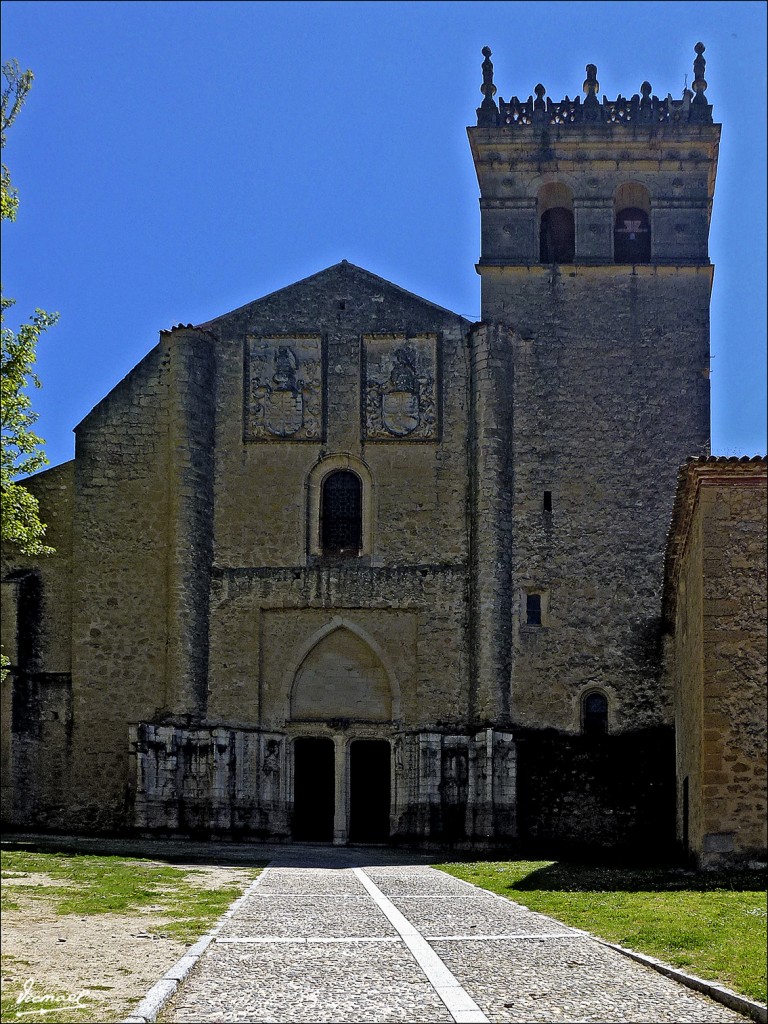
{"points": [[341, 565], [716, 610]]}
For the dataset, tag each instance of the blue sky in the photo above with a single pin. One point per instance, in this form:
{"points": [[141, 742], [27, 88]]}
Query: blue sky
{"points": [[177, 160]]}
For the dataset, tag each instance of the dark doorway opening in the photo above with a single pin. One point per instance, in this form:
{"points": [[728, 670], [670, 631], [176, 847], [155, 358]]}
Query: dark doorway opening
{"points": [[369, 791], [313, 790], [595, 714]]}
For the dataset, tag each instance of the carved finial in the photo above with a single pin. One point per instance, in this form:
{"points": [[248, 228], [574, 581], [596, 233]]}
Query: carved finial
{"points": [[646, 104], [591, 88], [539, 106], [699, 82], [591, 85], [487, 113]]}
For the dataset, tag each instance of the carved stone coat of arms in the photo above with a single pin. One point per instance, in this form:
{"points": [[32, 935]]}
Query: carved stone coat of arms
{"points": [[284, 388], [399, 387]]}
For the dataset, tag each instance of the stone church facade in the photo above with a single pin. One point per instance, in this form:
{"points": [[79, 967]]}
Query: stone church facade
{"points": [[343, 566]]}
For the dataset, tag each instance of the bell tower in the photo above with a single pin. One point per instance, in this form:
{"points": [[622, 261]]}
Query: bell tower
{"points": [[593, 359]]}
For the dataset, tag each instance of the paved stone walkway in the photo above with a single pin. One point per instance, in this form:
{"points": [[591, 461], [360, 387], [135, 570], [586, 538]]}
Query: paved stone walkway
{"points": [[334, 936]]}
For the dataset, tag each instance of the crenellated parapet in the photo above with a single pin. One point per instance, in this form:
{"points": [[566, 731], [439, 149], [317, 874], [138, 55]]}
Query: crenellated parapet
{"points": [[641, 109]]}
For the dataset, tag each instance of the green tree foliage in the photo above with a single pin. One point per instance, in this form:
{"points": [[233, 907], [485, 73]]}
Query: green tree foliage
{"points": [[20, 451]]}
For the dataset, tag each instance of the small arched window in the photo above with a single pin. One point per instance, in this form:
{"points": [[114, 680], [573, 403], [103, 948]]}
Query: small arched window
{"points": [[341, 515], [594, 716], [557, 234]]}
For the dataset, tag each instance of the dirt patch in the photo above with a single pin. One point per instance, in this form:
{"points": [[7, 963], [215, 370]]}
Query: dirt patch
{"points": [[31, 880], [105, 962]]}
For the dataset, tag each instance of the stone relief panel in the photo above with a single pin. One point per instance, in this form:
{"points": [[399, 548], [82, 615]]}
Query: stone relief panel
{"points": [[400, 387], [284, 388]]}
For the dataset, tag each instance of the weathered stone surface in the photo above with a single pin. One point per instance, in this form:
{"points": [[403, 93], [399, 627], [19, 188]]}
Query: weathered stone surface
{"points": [[716, 606]]}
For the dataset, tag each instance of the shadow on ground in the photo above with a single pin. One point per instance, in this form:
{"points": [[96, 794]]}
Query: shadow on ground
{"points": [[223, 854], [564, 875]]}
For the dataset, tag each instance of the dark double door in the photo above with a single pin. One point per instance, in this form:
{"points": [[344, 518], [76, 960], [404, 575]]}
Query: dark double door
{"points": [[314, 790]]}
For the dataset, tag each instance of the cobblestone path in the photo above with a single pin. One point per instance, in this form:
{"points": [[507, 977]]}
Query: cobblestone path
{"points": [[393, 942]]}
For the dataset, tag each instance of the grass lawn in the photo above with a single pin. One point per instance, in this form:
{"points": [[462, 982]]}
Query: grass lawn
{"points": [[710, 924], [77, 887]]}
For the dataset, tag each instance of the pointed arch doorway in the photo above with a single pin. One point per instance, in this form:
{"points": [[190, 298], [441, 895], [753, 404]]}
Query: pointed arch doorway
{"points": [[341, 700]]}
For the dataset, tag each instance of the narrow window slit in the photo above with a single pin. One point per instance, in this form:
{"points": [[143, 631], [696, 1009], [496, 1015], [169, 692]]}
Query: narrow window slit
{"points": [[533, 609]]}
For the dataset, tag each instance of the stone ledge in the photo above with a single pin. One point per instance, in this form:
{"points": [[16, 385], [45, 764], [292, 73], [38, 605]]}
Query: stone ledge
{"points": [[161, 992], [740, 1004]]}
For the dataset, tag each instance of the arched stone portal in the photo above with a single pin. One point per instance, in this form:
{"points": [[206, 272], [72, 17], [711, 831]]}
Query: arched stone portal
{"points": [[343, 685]]}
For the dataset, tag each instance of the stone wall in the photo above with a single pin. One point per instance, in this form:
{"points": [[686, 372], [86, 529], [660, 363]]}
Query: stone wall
{"points": [[336, 341], [419, 482], [610, 392], [716, 605], [685, 670], [140, 564], [36, 708], [266, 624]]}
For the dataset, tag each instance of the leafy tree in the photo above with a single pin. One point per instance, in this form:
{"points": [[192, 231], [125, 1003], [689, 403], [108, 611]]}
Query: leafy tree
{"points": [[20, 452]]}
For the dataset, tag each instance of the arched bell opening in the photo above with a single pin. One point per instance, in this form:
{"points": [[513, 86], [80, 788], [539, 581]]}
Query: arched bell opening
{"points": [[632, 224], [557, 232]]}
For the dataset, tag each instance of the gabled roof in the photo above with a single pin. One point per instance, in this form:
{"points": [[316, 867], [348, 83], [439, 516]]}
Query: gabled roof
{"points": [[342, 273]]}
